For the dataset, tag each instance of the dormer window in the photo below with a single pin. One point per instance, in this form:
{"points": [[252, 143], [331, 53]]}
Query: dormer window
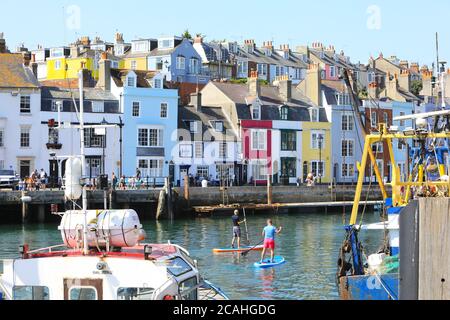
{"points": [[284, 113], [218, 126], [286, 55], [131, 81], [371, 77], [332, 71], [315, 115], [256, 112]]}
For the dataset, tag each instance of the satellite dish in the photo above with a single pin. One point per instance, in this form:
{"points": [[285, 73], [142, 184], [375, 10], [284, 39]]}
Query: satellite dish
{"points": [[421, 123]]}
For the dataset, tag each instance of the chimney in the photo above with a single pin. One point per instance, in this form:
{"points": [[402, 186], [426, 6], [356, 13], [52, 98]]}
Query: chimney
{"points": [[391, 86], [34, 65], [373, 90], [404, 64], [249, 46], [427, 82], [74, 51], [2, 43], [254, 87], [196, 101], [284, 85], [119, 37], [415, 67], [330, 50], [404, 80], [312, 85], [198, 40], [104, 75], [26, 58]]}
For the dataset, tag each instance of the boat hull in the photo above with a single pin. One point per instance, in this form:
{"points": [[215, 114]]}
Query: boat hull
{"points": [[368, 287]]}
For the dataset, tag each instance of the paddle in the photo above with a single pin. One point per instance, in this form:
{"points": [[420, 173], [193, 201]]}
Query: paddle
{"points": [[246, 228], [246, 252]]}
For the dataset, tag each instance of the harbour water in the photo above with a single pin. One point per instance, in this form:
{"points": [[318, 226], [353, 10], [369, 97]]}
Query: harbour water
{"points": [[309, 243]]}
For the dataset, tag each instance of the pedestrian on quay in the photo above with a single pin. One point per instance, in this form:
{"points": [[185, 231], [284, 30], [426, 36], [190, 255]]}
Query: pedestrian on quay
{"points": [[269, 233], [43, 179], [236, 229], [114, 181]]}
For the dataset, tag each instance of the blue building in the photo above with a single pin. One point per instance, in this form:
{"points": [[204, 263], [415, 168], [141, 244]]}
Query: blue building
{"points": [[150, 116], [177, 60]]}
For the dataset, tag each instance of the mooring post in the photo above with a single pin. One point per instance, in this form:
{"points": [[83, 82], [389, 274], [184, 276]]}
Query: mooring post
{"points": [[169, 199], [24, 207], [269, 190], [41, 213], [186, 187]]}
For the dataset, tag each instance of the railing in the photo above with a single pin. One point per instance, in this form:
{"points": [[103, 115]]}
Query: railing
{"points": [[47, 249], [132, 183]]}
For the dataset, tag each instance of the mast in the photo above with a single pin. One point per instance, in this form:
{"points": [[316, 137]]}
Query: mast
{"points": [[83, 161]]}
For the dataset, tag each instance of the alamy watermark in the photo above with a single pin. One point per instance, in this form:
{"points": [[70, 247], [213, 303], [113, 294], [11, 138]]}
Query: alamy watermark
{"points": [[73, 17], [374, 19]]}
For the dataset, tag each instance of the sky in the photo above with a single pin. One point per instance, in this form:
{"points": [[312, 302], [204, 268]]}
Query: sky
{"points": [[361, 28]]}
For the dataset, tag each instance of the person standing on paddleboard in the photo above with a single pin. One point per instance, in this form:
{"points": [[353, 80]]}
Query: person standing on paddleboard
{"points": [[237, 229], [269, 233]]}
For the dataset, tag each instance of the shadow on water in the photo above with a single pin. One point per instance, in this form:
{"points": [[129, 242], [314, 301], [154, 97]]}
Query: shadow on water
{"points": [[309, 243]]}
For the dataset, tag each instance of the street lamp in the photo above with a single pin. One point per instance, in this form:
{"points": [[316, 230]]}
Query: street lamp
{"points": [[320, 138]]}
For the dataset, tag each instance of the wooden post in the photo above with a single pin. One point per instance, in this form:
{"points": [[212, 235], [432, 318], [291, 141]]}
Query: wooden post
{"points": [[41, 213], [186, 187], [269, 190], [24, 208], [169, 199]]}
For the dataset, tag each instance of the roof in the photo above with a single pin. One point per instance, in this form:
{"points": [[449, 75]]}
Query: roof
{"points": [[275, 58], [143, 77], [207, 115], [89, 94], [271, 101], [13, 74], [161, 52]]}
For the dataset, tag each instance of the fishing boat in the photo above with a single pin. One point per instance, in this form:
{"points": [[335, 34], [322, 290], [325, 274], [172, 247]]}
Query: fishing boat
{"points": [[103, 256], [365, 276]]}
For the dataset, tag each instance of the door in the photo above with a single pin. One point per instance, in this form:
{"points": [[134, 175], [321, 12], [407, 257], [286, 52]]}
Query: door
{"points": [[25, 168], [53, 173], [83, 289]]}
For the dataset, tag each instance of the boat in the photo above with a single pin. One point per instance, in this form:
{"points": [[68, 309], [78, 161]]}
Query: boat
{"points": [[238, 250], [268, 263], [375, 276], [103, 256]]}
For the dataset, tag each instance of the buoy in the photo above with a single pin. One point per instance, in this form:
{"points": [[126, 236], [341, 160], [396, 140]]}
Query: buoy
{"points": [[73, 189]]}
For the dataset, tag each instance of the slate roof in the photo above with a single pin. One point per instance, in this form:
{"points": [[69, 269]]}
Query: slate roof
{"points": [[271, 102], [143, 77], [64, 94], [207, 116], [13, 74], [259, 56]]}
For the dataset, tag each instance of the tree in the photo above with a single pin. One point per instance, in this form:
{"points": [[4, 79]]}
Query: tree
{"points": [[416, 87], [186, 35]]}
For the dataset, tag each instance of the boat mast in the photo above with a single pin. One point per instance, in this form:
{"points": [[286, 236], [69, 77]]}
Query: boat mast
{"points": [[83, 162]]}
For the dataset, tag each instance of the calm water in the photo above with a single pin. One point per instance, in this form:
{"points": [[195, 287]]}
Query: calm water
{"points": [[309, 243]]}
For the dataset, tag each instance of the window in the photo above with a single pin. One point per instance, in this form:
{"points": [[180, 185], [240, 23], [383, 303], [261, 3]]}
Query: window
{"points": [[2, 138], [178, 267], [53, 136], [256, 112], [83, 294], [401, 145], [193, 126], [188, 289], [98, 107], [317, 140], [348, 148], [199, 151], [218, 126], [223, 150], [57, 64], [374, 120], [129, 294], [343, 99], [92, 140], [133, 65], [348, 170], [24, 137], [371, 77], [25, 106], [131, 81], [377, 147], [332, 71], [289, 167], [402, 122], [181, 63], [315, 115], [284, 113], [347, 122], [150, 137], [317, 168], [163, 110], [31, 293], [259, 139], [54, 105], [203, 171], [185, 150], [385, 118], [158, 84], [262, 69], [151, 167], [193, 66], [136, 109], [288, 140], [243, 67], [259, 169]]}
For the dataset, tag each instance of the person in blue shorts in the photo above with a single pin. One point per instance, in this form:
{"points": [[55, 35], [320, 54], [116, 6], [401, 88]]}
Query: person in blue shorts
{"points": [[237, 229], [269, 234]]}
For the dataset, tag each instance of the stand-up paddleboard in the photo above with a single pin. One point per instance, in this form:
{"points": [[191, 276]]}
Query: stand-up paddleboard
{"points": [[241, 249], [268, 264]]}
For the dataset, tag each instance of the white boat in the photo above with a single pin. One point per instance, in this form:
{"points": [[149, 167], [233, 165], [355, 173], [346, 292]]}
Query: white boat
{"points": [[102, 258]]}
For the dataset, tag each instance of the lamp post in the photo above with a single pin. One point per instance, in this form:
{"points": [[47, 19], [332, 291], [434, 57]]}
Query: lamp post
{"points": [[121, 146], [104, 123], [320, 138]]}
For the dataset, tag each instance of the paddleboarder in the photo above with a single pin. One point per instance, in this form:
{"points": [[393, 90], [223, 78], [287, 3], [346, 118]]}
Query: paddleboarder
{"points": [[269, 233], [237, 229]]}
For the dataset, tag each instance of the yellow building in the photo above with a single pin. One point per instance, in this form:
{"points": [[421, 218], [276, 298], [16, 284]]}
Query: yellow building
{"points": [[67, 67], [136, 62], [316, 150]]}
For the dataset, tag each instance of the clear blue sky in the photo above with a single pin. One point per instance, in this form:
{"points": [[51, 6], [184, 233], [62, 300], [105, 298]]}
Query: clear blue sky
{"points": [[361, 28]]}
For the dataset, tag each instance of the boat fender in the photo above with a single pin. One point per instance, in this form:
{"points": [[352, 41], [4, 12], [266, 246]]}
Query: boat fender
{"points": [[168, 298]]}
